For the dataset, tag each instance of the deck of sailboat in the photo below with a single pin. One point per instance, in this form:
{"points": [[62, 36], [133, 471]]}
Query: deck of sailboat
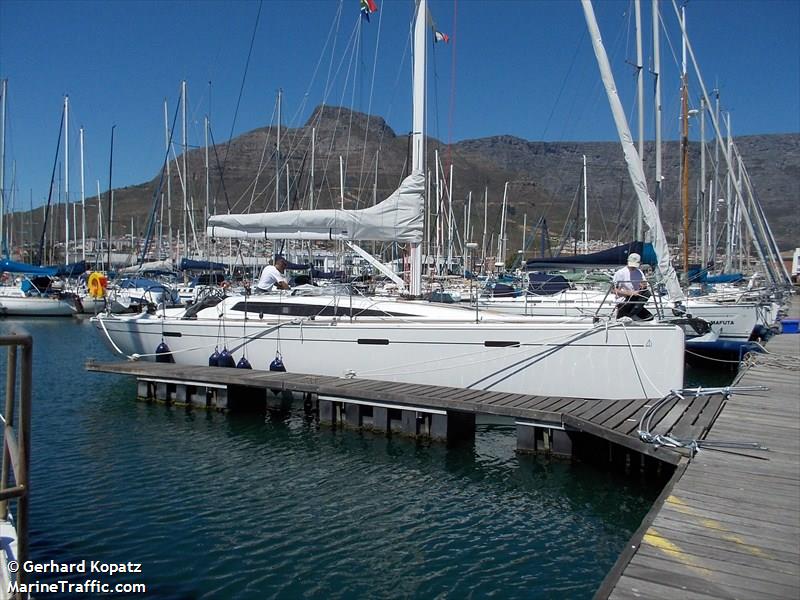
{"points": [[728, 524]]}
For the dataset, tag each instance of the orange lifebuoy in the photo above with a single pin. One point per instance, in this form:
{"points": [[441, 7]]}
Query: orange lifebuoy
{"points": [[97, 283]]}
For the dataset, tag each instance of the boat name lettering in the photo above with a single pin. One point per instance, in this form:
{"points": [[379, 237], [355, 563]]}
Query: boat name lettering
{"points": [[721, 322]]}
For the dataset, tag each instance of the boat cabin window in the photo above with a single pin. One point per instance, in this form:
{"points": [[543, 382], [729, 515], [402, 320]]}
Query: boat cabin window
{"points": [[310, 310], [206, 302]]}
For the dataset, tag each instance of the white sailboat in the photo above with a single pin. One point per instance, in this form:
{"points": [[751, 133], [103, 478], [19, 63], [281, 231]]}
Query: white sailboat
{"points": [[410, 341], [729, 321], [39, 306], [35, 298], [403, 340]]}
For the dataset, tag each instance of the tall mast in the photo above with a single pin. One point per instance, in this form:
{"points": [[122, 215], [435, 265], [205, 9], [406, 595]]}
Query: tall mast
{"points": [[3, 93], [685, 155], [502, 238], [586, 211], [418, 132], [184, 183], [450, 218], [468, 219], [169, 182], [485, 219], [99, 247], [657, 100], [66, 179], [313, 150], [439, 210], [341, 181], [640, 96], [12, 209], [701, 207], [729, 195], [375, 183], [375, 193], [278, 160], [208, 185], [464, 245], [428, 221], [716, 195], [110, 197], [83, 204], [161, 227], [740, 208]]}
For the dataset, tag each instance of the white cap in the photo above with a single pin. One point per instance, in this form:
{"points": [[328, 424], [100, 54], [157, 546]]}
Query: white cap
{"points": [[634, 260]]}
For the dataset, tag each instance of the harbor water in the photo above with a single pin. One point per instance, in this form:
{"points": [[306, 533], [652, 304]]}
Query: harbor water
{"points": [[273, 506]]}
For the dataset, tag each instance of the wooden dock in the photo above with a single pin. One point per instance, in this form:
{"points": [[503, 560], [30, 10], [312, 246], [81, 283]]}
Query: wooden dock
{"points": [[728, 523], [563, 426]]}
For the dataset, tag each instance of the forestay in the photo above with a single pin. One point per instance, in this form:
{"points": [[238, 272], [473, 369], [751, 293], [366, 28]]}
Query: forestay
{"points": [[399, 218]]}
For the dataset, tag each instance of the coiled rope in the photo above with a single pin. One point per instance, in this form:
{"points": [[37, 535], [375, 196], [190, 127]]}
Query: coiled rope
{"points": [[768, 359], [692, 444]]}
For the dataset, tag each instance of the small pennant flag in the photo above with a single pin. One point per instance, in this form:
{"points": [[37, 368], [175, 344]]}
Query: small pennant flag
{"points": [[438, 36], [367, 7]]}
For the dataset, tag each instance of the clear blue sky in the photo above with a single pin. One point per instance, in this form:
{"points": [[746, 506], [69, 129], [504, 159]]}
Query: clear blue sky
{"points": [[522, 67]]}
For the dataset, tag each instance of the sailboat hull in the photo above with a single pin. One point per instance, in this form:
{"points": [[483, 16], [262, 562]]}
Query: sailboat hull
{"points": [[729, 321], [575, 359], [31, 306]]}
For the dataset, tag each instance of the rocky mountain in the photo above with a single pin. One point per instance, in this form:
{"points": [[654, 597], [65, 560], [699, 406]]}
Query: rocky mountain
{"points": [[543, 178]]}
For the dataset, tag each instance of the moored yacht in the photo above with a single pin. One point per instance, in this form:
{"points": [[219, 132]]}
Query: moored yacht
{"points": [[36, 298], [730, 321], [415, 342]]}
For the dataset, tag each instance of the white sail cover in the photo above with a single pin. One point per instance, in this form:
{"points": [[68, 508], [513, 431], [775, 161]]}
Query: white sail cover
{"points": [[649, 210], [399, 218], [158, 265]]}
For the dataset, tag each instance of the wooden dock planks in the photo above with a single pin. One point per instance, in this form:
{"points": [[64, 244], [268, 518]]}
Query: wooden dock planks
{"points": [[729, 527]]}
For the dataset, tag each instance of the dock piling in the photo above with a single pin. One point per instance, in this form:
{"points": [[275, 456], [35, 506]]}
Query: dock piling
{"points": [[548, 437], [380, 418]]}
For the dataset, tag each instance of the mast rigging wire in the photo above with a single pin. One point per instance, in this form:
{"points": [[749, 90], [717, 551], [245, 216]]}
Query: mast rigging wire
{"points": [[50, 193], [241, 91]]}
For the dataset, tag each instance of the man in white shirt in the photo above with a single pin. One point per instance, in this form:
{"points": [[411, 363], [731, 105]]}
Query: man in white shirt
{"points": [[273, 275], [630, 288]]}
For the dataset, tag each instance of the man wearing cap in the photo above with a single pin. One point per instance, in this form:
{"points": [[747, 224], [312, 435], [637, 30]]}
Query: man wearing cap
{"points": [[630, 290], [273, 275]]}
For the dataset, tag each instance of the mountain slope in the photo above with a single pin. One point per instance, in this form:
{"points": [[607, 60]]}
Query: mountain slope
{"points": [[544, 178]]}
